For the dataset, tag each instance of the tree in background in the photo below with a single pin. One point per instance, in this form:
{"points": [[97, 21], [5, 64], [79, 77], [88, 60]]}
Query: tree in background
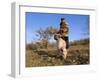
{"points": [[46, 34]]}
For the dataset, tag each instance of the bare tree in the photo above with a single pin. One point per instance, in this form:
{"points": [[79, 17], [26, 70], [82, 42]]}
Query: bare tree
{"points": [[46, 34]]}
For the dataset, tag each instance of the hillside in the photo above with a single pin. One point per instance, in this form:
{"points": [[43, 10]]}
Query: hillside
{"points": [[78, 53]]}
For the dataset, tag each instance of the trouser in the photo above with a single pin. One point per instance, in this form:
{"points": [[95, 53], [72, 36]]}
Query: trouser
{"points": [[66, 38]]}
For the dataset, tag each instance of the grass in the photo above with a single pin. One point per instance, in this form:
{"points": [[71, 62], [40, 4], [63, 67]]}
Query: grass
{"points": [[78, 54]]}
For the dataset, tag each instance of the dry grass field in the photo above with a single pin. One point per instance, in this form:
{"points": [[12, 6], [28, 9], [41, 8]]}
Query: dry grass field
{"points": [[78, 54]]}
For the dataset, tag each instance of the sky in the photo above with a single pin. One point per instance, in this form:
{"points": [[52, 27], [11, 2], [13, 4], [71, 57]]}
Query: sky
{"points": [[78, 24]]}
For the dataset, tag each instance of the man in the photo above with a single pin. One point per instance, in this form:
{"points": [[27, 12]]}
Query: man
{"points": [[64, 31]]}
